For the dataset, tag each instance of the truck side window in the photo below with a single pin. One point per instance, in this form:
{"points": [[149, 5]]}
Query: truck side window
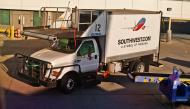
{"points": [[86, 48]]}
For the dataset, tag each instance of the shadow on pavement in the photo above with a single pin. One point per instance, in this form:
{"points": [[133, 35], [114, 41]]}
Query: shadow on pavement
{"points": [[27, 47], [115, 92], [10, 66], [177, 61], [92, 98]]}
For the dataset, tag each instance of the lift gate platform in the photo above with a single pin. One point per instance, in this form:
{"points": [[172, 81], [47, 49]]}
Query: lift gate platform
{"points": [[155, 77], [175, 93]]}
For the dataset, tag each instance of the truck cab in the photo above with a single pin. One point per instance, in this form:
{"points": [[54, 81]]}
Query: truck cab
{"points": [[69, 62], [67, 51]]}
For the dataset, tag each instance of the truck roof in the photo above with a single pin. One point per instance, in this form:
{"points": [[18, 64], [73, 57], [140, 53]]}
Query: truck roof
{"points": [[129, 11], [124, 11]]}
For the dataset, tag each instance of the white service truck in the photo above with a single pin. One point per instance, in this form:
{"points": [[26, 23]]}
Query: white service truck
{"points": [[117, 40]]}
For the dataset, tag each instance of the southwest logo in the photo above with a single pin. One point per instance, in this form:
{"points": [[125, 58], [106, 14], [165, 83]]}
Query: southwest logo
{"points": [[140, 25]]}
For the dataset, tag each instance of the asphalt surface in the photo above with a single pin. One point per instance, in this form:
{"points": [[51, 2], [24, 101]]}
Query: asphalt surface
{"points": [[115, 92]]}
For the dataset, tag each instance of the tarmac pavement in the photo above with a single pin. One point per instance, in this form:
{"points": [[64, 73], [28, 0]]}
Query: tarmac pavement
{"points": [[116, 92]]}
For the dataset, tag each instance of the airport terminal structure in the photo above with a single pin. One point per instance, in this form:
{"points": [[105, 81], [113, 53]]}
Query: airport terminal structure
{"points": [[25, 13]]}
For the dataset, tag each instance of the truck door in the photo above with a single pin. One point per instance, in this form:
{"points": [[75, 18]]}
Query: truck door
{"points": [[87, 56]]}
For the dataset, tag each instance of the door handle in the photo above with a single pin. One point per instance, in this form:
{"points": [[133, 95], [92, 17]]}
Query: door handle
{"points": [[77, 60], [95, 56]]}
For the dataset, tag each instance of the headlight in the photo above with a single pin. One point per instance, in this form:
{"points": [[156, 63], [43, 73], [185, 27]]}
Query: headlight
{"points": [[49, 65], [55, 73]]}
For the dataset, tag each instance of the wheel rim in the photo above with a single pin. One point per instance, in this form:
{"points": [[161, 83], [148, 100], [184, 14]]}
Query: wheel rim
{"points": [[70, 84], [141, 68]]}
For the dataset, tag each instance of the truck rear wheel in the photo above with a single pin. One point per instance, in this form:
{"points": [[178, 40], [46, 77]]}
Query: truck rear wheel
{"points": [[139, 67], [68, 83]]}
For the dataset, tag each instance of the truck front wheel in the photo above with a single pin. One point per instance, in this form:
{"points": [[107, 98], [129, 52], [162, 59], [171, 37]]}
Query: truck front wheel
{"points": [[68, 83]]}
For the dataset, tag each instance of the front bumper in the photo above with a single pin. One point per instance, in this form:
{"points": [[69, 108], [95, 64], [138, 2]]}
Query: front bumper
{"points": [[33, 71], [35, 82]]}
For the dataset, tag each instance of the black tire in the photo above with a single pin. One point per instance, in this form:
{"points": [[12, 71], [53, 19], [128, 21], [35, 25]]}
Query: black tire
{"points": [[139, 67], [68, 83]]}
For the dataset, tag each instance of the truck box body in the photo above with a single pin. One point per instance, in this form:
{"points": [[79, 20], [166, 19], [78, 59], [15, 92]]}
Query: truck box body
{"points": [[128, 34], [132, 35]]}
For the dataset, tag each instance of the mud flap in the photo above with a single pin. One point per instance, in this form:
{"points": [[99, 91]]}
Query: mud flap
{"points": [[89, 79]]}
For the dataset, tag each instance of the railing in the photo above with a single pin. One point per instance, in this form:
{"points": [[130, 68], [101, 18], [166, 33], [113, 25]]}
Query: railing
{"points": [[64, 10]]}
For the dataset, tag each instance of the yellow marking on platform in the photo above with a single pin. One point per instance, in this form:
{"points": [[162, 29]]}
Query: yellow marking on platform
{"points": [[184, 80], [145, 80], [152, 79], [160, 78]]}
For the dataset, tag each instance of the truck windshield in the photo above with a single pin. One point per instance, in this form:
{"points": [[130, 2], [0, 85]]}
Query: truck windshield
{"points": [[66, 45]]}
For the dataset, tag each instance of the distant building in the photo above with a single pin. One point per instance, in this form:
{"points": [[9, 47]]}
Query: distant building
{"points": [[26, 12]]}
